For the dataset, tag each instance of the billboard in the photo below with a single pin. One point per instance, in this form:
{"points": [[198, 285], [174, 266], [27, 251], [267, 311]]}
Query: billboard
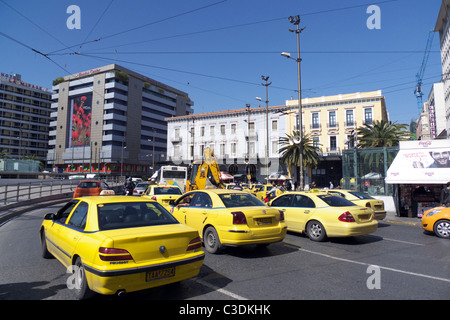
{"points": [[81, 111], [421, 162]]}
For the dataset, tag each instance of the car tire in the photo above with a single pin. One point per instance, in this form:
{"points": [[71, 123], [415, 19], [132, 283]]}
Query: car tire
{"points": [[82, 290], [316, 231], [442, 229], [211, 240], [45, 253]]}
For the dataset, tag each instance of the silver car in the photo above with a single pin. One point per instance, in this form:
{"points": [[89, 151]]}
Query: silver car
{"points": [[140, 188]]}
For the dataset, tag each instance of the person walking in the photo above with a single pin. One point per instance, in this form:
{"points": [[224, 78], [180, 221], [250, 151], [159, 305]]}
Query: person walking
{"points": [[445, 196]]}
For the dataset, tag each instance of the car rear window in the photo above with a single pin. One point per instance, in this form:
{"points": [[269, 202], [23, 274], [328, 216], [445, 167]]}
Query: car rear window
{"points": [[132, 214], [233, 200], [163, 190], [88, 184], [335, 201], [360, 195]]}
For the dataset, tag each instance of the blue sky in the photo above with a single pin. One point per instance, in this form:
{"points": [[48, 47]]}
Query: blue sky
{"points": [[217, 50]]}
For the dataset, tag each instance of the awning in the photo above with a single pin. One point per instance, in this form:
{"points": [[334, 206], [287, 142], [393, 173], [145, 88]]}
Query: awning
{"points": [[421, 162]]}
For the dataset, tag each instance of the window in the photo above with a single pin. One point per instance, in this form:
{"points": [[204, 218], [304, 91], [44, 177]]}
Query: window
{"points": [[233, 128], [233, 148], [332, 119], [274, 125], [222, 150], [251, 128], [349, 118], [368, 116], [78, 217], [333, 143], [316, 142], [201, 199], [177, 132], [302, 201], [252, 148], [222, 129], [315, 121], [211, 130], [275, 147], [64, 212], [283, 201], [202, 131]]}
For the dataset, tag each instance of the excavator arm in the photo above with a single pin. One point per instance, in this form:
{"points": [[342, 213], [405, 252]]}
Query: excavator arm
{"points": [[205, 174]]}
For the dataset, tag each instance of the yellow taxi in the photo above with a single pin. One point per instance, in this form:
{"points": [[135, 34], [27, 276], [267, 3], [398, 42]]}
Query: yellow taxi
{"points": [[262, 192], [437, 220], [163, 194], [321, 215], [229, 218], [363, 200], [118, 244]]}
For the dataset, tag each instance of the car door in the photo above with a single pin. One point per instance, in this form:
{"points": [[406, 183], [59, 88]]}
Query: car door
{"points": [[284, 203], [181, 207], [72, 231], [55, 232], [199, 211], [302, 208]]}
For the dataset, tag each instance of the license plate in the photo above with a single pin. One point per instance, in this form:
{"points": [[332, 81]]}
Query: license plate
{"points": [[364, 216], [262, 221], [160, 274]]}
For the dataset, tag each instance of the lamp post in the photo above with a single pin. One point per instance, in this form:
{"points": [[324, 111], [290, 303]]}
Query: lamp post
{"points": [[296, 21], [267, 84]]}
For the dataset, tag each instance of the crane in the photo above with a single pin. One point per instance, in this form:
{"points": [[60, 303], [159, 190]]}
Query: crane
{"points": [[419, 76]]}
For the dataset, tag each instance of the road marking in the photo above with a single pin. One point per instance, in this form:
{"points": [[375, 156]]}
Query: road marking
{"points": [[225, 292], [407, 242], [381, 267]]}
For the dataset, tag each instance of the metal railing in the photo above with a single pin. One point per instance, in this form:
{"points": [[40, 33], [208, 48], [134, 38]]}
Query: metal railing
{"points": [[12, 193]]}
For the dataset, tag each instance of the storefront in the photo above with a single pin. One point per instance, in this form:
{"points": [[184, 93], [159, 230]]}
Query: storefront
{"points": [[418, 173]]}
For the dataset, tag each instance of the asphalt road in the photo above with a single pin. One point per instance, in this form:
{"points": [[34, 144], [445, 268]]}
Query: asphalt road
{"points": [[396, 262]]}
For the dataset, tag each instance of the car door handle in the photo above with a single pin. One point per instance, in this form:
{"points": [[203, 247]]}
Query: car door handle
{"points": [[306, 211]]}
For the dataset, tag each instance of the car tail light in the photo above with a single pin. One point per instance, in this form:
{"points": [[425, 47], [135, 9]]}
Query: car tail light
{"points": [[281, 215], [346, 217], [239, 218], [195, 243], [368, 205], [135, 191], [113, 254]]}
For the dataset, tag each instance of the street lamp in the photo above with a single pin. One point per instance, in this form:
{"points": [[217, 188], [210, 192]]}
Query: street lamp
{"points": [[296, 21], [267, 84]]}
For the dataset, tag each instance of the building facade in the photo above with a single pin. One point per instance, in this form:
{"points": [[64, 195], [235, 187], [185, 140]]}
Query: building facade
{"points": [[237, 137], [443, 27], [331, 122], [431, 123], [24, 118], [112, 120]]}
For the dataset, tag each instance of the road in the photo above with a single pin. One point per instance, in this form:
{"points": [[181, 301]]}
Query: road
{"points": [[396, 262]]}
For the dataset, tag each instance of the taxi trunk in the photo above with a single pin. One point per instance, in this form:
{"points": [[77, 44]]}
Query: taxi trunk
{"points": [[256, 217], [157, 244]]}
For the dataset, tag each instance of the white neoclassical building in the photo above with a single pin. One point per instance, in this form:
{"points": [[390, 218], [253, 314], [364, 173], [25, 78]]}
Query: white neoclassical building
{"points": [[245, 141]]}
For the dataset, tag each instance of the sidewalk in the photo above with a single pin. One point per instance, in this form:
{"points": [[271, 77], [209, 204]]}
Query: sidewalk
{"points": [[391, 217]]}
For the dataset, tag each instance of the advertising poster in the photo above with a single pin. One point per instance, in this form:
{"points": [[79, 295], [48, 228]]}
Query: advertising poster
{"points": [[421, 162], [81, 110]]}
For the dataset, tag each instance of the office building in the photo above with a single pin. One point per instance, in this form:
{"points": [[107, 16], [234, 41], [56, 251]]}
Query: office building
{"points": [[111, 120]]}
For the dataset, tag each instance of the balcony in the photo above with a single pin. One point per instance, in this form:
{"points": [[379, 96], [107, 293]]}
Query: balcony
{"points": [[332, 125], [315, 127]]}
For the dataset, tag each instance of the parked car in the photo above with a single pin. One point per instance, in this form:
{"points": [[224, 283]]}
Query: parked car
{"points": [[90, 188], [363, 200], [229, 218], [120, 244], [437, 220], [321, 215]]}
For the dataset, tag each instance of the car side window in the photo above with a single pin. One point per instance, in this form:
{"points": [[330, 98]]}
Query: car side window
{"points": [[78, 217], [337, 194], [201, 200], [283, 201], [186, 200], [64, 212], [302, 201]]}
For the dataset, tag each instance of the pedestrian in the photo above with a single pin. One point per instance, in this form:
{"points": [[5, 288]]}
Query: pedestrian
{"points": [[331, 185], [445, 196]]}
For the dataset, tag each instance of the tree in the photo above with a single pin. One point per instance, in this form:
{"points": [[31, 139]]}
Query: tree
{"points": [[290, 152], [382, 134]]}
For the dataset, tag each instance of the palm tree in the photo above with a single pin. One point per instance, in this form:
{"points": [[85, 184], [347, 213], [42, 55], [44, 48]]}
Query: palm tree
{"points": [[290, 152], [382, 134]]}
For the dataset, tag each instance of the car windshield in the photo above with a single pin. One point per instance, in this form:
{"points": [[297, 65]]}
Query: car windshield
{"points": [[360, 195], [165, 190], [88, 184], [142, 185], [335, 201], [233, 200], [132, 214]]}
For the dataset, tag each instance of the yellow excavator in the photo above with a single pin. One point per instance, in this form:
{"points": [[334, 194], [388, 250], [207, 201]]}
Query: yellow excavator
{"points": [[205, 174]]}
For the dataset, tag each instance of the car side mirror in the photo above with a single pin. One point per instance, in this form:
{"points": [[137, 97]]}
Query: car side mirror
{"points": [[49, 216]]}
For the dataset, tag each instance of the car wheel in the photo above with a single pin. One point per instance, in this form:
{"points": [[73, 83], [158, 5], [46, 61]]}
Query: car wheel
{"points": [[81, 288], [45, 253], [211, 240], [316, 231], [442, 229]]}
